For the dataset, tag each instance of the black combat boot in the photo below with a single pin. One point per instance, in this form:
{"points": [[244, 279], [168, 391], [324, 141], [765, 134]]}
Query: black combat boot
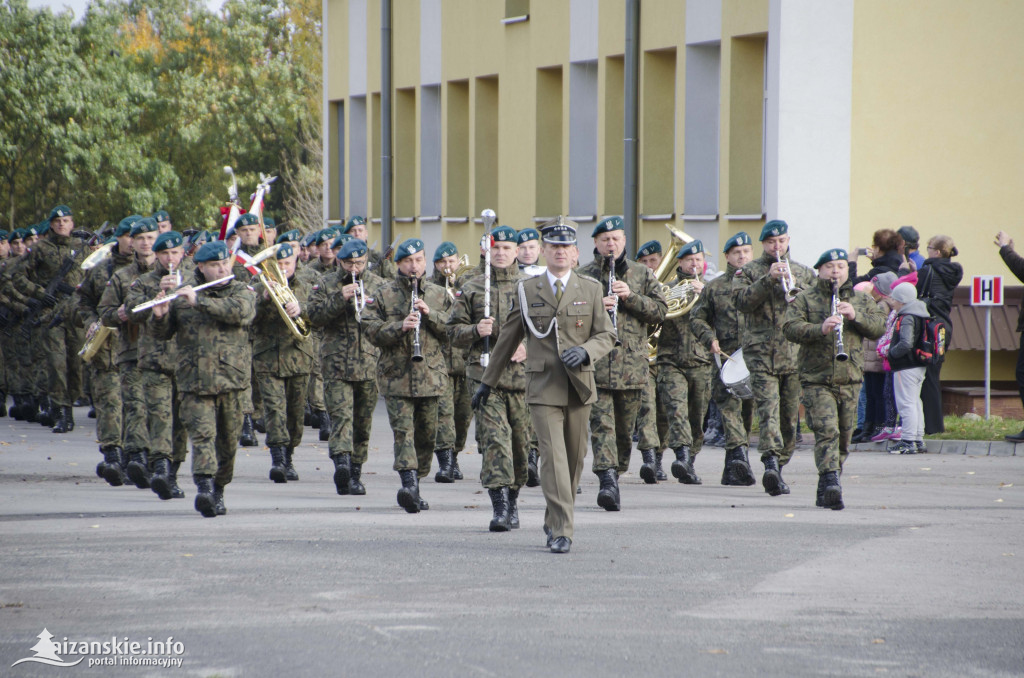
{"points": [[176, 492], [15, 410], [832, 493], [66, 423], [532, 474], [342, 473], [314, 419], [772, 478], [714, 434], [278, 473], [102, 466], [820, 495], [456, 471], [409, 495], [739, 465], [307, 415], [46, 416], [513, 508], [138, 469], [258, 425], [325, 427], [3, 404], [444, 467], [608, 495], [354, 484], [659, 472], [113, 471], [648, 472], [160, 480], [31, 411], [91, 414], [499, 501], [248, 437], [218, 500], [205, 502], [682, 467], [289, 469]]}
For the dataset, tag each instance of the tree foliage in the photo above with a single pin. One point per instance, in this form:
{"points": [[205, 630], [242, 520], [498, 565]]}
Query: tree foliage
{"points": [[140, 104]]}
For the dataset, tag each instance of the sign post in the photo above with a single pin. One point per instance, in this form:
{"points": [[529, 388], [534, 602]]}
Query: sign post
{"points": [[987, 291]]}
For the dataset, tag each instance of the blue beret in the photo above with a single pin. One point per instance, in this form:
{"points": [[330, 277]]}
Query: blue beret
{"points": [[693, 247], [247, 219], [527, 234], [309, 239], [124, 227], [17, 234], [445, 249], [737, 240], [351, 249], [32, 230], [354, 221], [773, 228], [504, 234], [143, 225], [289, 236], [325, 234], [410, 246], [285, 250], [607, 225], [3, 234], [60, 211], [559, 234], [168, 240], [268, 222], [340, 240], [212, 251], [161, 215], [834, 254], [648, 248]]}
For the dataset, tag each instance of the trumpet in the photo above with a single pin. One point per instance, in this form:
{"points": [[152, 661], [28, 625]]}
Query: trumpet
{"points": [[359, 298], [841, 354], [615, 309], [417, 351], [788, 283]]}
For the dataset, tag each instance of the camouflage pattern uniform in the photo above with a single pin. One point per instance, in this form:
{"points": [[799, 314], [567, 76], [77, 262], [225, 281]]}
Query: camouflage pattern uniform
{"points": [[502, 424], [453, 409], [213, 349], [411, 390], [17, 351], [349, 362], [770, 357], [684, 381], [715, 317], [379, 266], [623, 374], [315, 391], [831, 387]]}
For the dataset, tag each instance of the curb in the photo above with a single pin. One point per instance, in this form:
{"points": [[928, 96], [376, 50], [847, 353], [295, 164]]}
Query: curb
{"points": [[974, 448]]}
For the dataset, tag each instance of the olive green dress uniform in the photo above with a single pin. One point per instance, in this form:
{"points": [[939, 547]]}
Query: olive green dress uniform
{"points": [[560, 398], [831, 387], [623, 374], [770, 357], [502, 425]]}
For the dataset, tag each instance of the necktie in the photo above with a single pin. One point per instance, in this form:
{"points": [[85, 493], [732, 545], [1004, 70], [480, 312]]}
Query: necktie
{"points": [[558, 291]]}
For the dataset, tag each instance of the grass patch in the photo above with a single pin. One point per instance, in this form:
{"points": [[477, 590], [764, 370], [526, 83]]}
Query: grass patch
{"points": [[961, 428]]}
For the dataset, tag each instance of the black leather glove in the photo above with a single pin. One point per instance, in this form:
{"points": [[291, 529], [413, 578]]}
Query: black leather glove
{"points": [[483, 392], [33, 306], [575, 356], [49, 301], [65, 288]]}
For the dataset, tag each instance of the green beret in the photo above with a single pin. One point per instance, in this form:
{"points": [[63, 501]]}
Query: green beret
{"points": [[325, 234], [352, 249], [268, 222], [285, 250], [693, 247], [213, 251], [289, 236], [340, 240], [834, 254], [168, 240], [526, 235], [607, 225], [648, 248], [161, 215], [504, 234], [200, 237], [42, 227], [773, 228], [309, 240], [143, 225], [17, 234], [354, 221], [247, 219], [124, 227], [737, 240], [410, 246], [60, 211], [3, 234], [445, 249]]}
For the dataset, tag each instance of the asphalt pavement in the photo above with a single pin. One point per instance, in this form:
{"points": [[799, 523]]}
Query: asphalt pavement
{"points": [[921, 575]]}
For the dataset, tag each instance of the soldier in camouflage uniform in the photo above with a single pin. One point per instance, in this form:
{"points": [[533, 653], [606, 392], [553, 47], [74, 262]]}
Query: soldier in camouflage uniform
{"points": [[158, 365], [684, 372], [247, 228], [115, 313], [411, 388], [502, 428], [770, 357], [106, 380], [651, 427], [282, 363], [718, 326], [636, 301], [212, 331], [16, 304], [377, 262], [61, 342], [831, 385], [453, 410], [349, 361]]}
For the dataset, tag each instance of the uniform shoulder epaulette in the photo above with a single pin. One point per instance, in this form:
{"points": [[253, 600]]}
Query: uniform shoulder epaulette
{"points": [[587, 277]]}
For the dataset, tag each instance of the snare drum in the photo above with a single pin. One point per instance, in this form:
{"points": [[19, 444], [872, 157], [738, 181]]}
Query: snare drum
{"points": [[735, 375]]}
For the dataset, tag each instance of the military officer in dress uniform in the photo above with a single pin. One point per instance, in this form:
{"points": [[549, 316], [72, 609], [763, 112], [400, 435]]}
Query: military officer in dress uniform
{"points": [[569, 331]]}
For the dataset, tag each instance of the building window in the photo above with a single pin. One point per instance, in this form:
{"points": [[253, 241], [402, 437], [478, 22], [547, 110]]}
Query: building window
{"points": [[485, 145], [701, 138], [549, 142], [614, 124], [657, 135], [457, 175], [430, 151], [746, 126], [358, 190], [336, 160], [583, 141], [405, 153], [375, 164], [517, 9]]}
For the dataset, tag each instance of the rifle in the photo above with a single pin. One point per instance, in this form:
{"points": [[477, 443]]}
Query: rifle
{"points": [[49, 295]]}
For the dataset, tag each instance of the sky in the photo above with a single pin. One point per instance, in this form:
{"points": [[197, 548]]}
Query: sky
{"points": [[78, 6]]}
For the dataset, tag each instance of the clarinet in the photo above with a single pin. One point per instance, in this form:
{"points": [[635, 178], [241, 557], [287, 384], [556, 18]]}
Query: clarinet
{"points": [[615, 309], [841, 354], [417, 353]]}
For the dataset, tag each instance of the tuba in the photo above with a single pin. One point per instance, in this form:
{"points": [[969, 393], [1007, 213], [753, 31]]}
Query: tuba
{"points": [[99, 256], [95, 339], [680, 297], [450, 276]]}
